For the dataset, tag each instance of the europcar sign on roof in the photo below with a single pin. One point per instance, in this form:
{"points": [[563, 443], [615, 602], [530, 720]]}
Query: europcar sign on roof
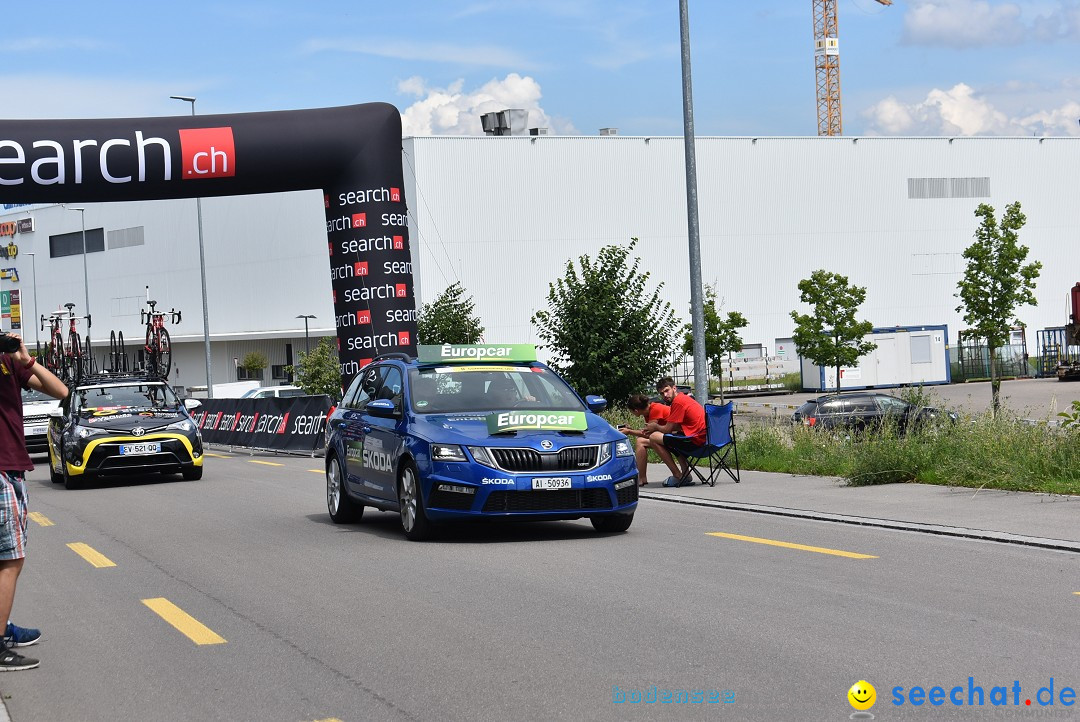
{"points": [[491, 352]]}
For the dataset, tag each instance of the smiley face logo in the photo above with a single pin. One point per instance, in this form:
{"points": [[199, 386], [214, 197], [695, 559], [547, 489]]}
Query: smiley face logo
{"points": [[862, 695]]}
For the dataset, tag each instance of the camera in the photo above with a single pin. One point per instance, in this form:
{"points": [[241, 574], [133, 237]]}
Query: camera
{"points": [[9, 344]]}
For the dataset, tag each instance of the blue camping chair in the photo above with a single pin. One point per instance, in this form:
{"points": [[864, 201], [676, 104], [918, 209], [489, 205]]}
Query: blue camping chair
{"points": [[719, 444]]}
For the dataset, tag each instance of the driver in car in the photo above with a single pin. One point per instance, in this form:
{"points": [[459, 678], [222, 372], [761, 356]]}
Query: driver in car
{"points": [[504, 394]]}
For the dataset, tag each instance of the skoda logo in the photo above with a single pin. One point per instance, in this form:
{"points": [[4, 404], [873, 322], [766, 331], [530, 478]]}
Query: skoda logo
{"points": [[546, 445], [138, 431]]}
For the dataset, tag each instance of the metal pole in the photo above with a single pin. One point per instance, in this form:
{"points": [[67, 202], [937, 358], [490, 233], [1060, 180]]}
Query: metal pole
{"points": [[202, 274], [697, 311], [307, 346], [86, 277], [37, 322]]}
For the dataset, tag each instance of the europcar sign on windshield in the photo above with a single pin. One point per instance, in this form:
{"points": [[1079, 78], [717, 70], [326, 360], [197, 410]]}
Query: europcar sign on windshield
{"points": [[504, 421]]}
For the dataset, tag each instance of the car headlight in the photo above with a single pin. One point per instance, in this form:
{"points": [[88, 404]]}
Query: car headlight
{"points": [[85, 431], [482, 456], [184, 425], [623, 448], [447, 452]]}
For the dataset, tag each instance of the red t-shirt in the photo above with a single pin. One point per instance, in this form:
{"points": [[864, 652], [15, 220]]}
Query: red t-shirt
{"points": [[13, 379], [690, 416], [657, 413]]}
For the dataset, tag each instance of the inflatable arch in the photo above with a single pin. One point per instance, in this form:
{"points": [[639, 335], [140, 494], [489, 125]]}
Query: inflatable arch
{"points": [[351, 153]]}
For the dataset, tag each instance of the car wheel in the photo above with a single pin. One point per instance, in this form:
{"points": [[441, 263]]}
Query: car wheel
{"points": [[342, 509], [192, 474], [612, 523], [71, 482], [414, 521], [55, 476]]}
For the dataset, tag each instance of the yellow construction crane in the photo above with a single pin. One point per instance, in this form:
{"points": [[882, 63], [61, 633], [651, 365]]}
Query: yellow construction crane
{"points": [[827, 64]]}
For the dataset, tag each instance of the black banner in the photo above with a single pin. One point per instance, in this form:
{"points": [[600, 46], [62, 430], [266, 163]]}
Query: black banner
{"points": [[351, 153], [284, 424]]}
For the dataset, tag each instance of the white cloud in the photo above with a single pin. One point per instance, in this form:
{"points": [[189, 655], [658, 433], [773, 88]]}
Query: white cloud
{"points": [[452, 111], [480, 55], [980, 23], [962, 111]]}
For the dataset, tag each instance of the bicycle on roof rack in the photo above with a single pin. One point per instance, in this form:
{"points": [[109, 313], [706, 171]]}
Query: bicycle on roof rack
{"points": [[158, 344], [118, 362], [70, 361]]}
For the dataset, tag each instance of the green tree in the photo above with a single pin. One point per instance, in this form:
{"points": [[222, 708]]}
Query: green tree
{"points": [[319, 372], [996, 281], [449, 319], [721, 335], [606, 332], [254, 362], [830, 335]]}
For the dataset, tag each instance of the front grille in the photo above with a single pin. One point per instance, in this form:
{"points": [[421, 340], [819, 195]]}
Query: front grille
{"points": [[627, 495], [36, 419], [450, 500], [556, 500], [572, 458], [106, 457]]}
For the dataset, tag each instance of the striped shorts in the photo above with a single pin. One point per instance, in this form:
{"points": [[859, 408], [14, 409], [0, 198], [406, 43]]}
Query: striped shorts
{"points": [[12, 515]]}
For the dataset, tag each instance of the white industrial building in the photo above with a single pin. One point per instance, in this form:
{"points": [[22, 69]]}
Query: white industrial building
{"points": [[503, 215]]}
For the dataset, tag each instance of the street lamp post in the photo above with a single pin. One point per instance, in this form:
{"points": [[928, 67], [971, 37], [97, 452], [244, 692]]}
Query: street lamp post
{"points": [[37, 324], [307, 346], [202, 272], [86, 277]]}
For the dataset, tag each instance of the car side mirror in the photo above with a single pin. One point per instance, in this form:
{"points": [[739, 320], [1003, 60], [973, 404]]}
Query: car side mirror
{"points": [[192, 404], [596, 404], [383, 408]]}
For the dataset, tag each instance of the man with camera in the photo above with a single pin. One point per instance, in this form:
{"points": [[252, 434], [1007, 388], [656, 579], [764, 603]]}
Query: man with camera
{"points": [[18, 370]]}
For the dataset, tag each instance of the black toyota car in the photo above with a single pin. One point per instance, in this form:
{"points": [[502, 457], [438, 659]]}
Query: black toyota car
{"points": [[123, 425], [859, 411]]}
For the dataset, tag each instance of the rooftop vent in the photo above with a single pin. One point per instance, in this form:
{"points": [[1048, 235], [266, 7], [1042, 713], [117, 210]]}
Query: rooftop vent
{"points": [[609, 131], [506, 122]]}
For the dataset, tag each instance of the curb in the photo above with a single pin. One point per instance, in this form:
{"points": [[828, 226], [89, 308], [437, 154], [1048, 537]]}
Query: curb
{"points": [[939, 529]]}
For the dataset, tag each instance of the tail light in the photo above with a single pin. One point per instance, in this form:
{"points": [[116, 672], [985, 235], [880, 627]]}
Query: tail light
{"points": [[810, 420]]}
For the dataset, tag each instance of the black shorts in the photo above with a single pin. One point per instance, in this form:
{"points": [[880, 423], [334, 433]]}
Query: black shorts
{"points": [[680, 444]]}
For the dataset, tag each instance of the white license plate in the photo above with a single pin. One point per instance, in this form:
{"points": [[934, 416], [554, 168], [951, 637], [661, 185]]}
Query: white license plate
{"points": [[143, 448], [37, 430], [552, 482]]}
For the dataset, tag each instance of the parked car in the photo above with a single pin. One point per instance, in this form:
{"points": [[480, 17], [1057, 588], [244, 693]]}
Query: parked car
{"points": [[123, 425], [859, 411], [480, 435], [271, 391], [36, 408]]}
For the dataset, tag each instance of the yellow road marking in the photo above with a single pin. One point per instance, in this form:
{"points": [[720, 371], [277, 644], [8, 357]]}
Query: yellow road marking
{"points": [[40, 518], [1076, 592], [316, 471], [184, 623], [91, 555], [216, 456], [789, 545], [328, 719], [268, 463]]}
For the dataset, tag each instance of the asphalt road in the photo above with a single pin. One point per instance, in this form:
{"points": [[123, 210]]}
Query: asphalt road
{"points": [[290, 617]]}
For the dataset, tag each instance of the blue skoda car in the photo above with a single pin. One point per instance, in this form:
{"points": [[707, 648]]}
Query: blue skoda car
{"points": [[470, 432]]}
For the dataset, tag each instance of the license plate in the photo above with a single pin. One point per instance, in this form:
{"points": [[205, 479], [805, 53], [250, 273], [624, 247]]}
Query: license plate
{"points": [[552, 482], [144, 448], [37, 430]]}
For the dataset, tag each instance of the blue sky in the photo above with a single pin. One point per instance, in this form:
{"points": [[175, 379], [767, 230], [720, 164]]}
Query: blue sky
{"points": [[918, 67]]}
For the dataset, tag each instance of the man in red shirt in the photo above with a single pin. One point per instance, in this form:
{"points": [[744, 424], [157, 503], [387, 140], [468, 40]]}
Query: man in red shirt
{"points": [[684, 428], [18, 370], [652, 412]]}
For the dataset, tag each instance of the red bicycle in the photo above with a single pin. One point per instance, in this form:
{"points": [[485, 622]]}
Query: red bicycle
{"points": [[158, 345], [71, 361]]}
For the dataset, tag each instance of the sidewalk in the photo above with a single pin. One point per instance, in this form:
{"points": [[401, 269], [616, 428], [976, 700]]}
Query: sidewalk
{"points": [[1043, 520]]}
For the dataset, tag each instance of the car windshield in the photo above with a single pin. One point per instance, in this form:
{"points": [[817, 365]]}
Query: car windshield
{"points": [[134, 396], [32, 395], [457, 389]]}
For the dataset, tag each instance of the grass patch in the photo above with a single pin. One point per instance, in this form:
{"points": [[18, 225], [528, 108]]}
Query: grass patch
{"points": [[982, 452]]}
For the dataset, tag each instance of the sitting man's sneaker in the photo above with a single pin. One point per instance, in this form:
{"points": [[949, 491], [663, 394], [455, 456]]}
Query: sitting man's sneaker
{"points": [[16, 636], [12, 661], [671, 481]]}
